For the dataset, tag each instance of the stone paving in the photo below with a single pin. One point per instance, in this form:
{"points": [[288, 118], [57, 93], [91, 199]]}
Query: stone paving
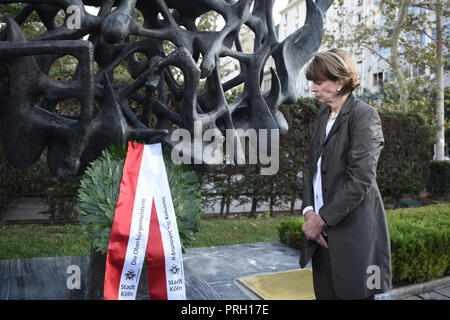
{"points": [[441, 293], [210, 274]]}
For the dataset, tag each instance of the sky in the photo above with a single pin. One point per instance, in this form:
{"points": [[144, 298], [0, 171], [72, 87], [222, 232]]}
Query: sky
{"points": [[277, 7]]}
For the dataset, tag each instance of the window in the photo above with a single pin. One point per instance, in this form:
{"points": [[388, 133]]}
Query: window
{"points": [[388, 76], [377, 79], [266, 84], [423, 40], [360, 69]]}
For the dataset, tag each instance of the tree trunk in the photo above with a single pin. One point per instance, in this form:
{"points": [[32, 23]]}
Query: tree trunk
{"points": [[222, 205], [440, 132], [404, 94], [292, 206], [228, 205], [228, 195], [271, 206], [253, 209]]}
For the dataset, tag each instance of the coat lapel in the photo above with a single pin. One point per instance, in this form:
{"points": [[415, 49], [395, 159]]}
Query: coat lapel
{"points": [[323, 124], [342, 117]]}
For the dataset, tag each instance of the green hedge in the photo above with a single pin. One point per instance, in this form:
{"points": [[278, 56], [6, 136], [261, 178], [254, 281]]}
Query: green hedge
{"points": [[404, 164], [419, 241], [439, 182], [291, 233]]}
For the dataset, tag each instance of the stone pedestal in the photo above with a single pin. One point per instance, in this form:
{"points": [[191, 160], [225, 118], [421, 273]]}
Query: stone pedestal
{"points": [[96, 278]]}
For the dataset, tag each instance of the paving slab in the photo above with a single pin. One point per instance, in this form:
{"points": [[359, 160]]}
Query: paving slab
{"points": [[440, 286], [210, 273], [413, 297], [219, 267], [432, 295], [445, 291], [40, 278]]}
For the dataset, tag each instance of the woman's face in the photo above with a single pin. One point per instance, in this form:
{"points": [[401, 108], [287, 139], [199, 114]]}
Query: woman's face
{"points": [[326, 90]]}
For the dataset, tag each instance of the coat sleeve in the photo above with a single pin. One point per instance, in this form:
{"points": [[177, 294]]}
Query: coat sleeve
{"points": [[366, 142]]}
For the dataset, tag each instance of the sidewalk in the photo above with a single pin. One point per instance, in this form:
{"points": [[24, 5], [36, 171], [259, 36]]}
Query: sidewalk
{"points": [[432, 290], [211, 273], [27, 210], [32, 209]]}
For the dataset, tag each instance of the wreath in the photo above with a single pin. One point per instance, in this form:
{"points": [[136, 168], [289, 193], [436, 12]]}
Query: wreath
{"points": [[99, 191]]}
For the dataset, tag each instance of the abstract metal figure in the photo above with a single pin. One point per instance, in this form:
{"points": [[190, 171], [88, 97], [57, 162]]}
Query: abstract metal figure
{"points": [[106, 117]]}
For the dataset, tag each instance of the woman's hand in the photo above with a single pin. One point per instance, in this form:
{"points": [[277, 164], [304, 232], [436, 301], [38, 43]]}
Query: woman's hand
{"points": [[313, 228], [321, 240]]}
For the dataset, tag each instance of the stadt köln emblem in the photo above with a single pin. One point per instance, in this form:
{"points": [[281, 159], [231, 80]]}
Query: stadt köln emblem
{"points": [[174, 269], [130, 275]]}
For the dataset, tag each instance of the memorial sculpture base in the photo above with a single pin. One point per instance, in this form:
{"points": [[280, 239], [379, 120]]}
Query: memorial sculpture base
{"points": [[96, 278]]}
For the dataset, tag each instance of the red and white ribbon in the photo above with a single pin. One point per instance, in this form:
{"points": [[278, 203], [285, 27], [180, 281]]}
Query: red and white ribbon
{"points": [[144, 226]]}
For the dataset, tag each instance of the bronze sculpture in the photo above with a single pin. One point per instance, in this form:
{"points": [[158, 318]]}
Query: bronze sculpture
{"points": [[105, 116]]}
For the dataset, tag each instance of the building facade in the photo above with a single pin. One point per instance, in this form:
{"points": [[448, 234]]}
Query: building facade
{"points": [[374, 70]]}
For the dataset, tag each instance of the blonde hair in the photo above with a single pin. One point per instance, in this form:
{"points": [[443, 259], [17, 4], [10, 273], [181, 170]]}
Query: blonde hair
{"points": [[333, 65]]}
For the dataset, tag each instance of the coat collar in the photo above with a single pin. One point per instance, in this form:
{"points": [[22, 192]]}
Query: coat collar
{"points": [[345, 110], [347, 107]]}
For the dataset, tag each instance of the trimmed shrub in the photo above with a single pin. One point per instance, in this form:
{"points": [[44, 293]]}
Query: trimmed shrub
{"points": [[439, 182], [404, 164], [291, 232], [420, 242], [419, 237]]}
